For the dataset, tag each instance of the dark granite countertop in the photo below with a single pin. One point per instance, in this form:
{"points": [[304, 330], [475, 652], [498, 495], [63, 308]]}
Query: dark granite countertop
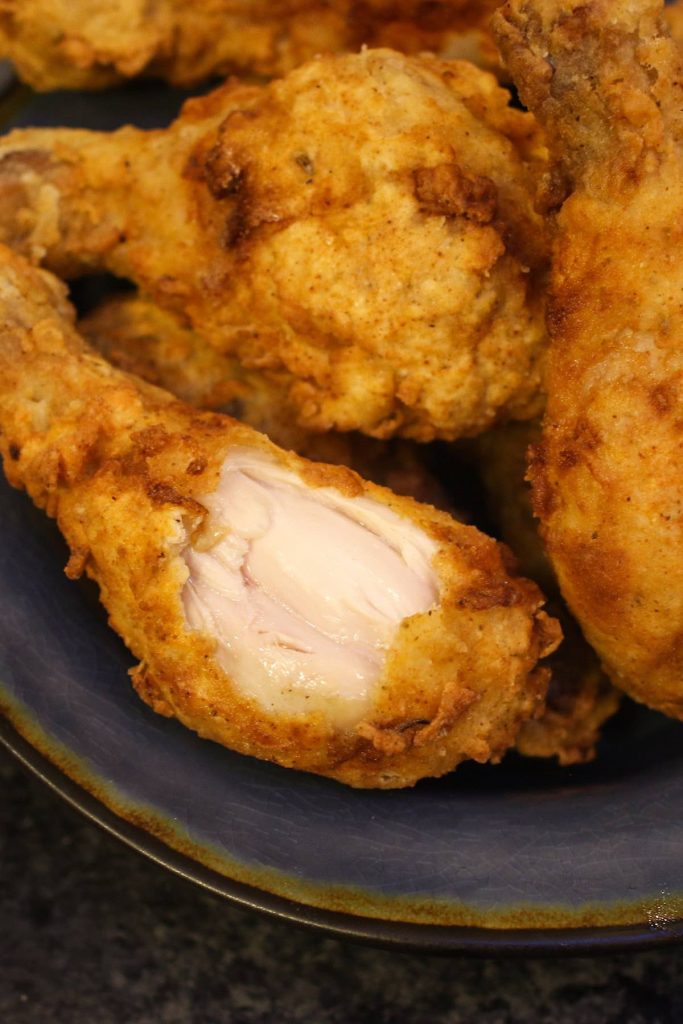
{"points": [[93, 933]]}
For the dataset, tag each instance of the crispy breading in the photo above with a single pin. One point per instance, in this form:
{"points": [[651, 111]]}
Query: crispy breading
{"points": [[580, 700], [604, 78], [136, 335], [390, 284], [580, 697], [126, 471], [57, 44]]}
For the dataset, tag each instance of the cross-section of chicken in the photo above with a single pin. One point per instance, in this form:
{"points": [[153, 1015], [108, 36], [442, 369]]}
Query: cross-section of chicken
{"points": [[138, 336], [285, 608]]}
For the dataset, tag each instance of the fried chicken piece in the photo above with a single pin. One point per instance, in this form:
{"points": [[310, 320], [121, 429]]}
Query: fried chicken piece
{"points": [[58, 44], [282, 607], [136, 335], [390, 284], [604, 78], [580, 697]]}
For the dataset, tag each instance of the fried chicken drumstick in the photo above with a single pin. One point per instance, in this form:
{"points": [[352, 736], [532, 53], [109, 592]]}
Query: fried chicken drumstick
{"points": [[58, 44], [580, 697], [284, 608], [604, 78], [133, 333], [361, 232]]}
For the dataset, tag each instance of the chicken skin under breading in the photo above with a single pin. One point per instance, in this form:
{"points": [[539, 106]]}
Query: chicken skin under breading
{"points": [[282, 607], [604, 79], [361, 232], [134, 334], [57, 44]]}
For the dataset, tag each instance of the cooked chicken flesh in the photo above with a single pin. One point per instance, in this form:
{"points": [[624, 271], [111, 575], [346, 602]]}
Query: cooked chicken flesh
{"points": [[212, 548]]}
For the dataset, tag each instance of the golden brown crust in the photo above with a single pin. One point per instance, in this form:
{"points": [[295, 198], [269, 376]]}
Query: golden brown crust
{"points": [[580, 700], [605, 80], [392, 286], [66, 44], [124, 467], [139, 337], [134, 334], [580, 697]]}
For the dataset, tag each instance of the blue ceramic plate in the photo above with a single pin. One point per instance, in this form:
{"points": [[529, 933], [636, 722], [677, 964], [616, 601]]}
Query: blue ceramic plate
{"points": [[519, 858]]}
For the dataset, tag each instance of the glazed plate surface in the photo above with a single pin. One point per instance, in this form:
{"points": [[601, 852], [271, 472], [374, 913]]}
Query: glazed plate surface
{"points": [[526, 857]]}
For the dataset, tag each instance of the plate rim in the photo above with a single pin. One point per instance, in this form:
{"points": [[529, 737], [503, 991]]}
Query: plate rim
{"points": [[399, 936]]}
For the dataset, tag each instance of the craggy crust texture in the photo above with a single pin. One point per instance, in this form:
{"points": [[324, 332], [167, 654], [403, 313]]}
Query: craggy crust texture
{"points": [[391, 284], [580, 700], [580, 697], [137, 336], [123, 468], [604, 78], [57, 44], [140, 337]]}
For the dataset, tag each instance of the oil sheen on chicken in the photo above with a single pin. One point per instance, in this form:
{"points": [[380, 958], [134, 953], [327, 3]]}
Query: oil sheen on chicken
{"points": [[303, 588]]}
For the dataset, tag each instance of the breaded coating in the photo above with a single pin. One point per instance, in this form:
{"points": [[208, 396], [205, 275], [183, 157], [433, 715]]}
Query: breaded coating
{"points": [[580, 700], [136, 335], [604, 78], [62, 44], [580, 697], [177, 513], [390, 284]]}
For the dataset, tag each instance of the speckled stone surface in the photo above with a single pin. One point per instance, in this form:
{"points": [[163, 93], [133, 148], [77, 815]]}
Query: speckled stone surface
{"points": [[93, 933]]}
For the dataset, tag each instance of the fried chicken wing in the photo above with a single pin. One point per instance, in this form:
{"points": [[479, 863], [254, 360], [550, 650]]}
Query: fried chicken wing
{"points": [[604, 78], [57, 44], [282, 607], [361, 232], [580, 697]]}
